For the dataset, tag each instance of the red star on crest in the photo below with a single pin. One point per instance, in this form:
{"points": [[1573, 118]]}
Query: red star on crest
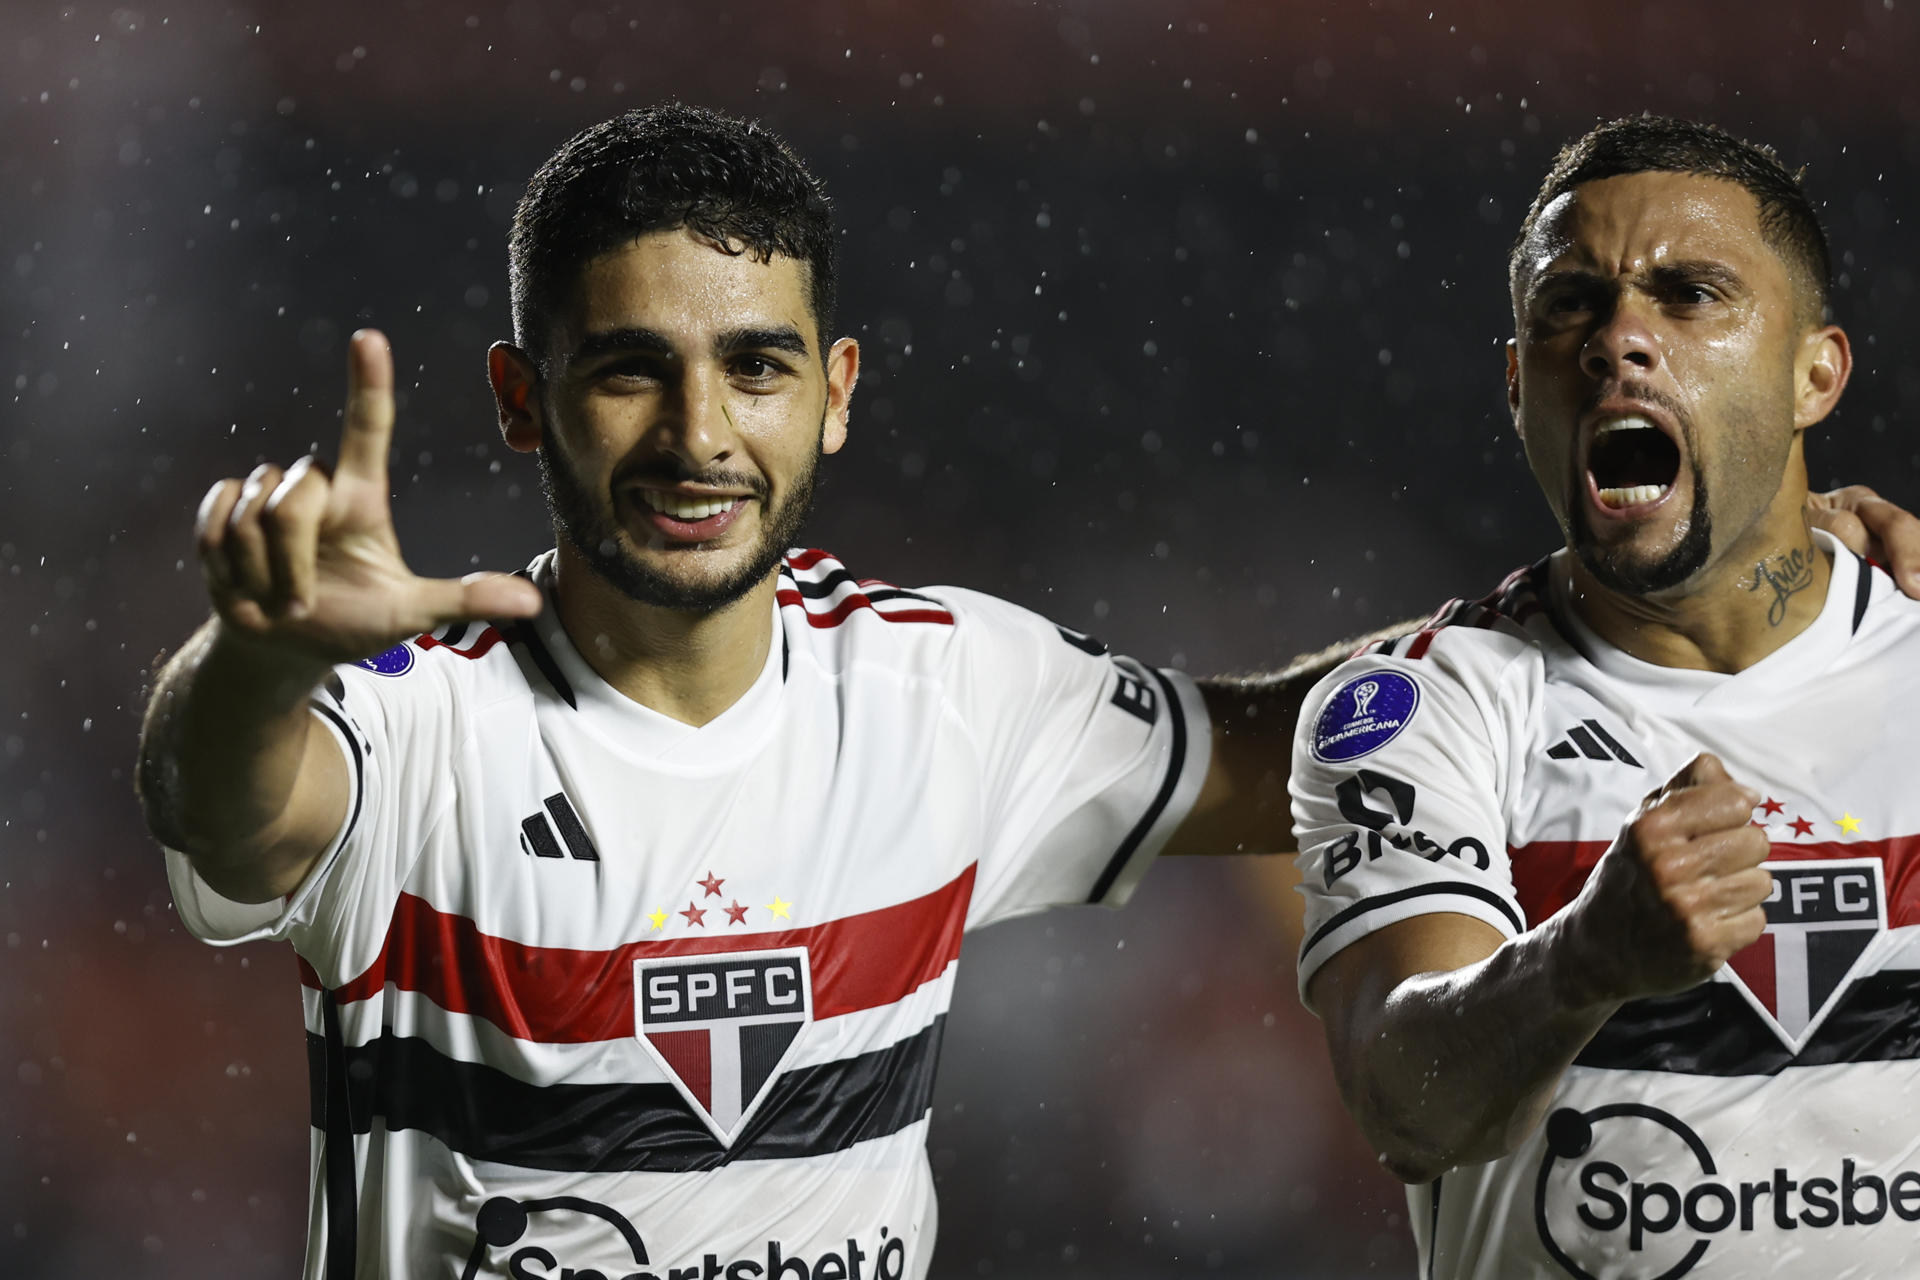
{"points": [[711, 884], [1772, 807], [736, 914], [1801, 827], [694, 915]]}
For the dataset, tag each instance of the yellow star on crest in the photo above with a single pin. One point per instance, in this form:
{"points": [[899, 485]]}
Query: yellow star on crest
{"points": [[1848, 823], [656, 919], [779, 906]]}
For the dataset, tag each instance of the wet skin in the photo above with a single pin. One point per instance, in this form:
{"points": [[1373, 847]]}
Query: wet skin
{"points": [[1656, 294]]}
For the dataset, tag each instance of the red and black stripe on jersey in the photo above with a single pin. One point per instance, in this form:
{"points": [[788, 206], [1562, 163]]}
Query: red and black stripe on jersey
{"points": [[1508, 606], [1711, 1029], [819, 584], [552, 995]]}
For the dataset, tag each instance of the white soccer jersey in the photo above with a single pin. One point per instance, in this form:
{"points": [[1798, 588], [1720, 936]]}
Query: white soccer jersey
{"points": [[1762, 1123], [593, 993]]}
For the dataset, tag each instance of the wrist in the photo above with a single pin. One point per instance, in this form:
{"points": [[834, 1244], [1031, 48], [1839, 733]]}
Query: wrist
{"points": [[279, 673], [1582, 973]]}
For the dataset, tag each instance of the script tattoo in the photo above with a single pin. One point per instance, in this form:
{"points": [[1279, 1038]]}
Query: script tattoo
{"points": [[1787, 575]]}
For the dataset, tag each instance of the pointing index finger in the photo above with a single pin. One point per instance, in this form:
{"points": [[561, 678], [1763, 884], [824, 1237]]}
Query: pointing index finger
{"points": [[366, 435]]}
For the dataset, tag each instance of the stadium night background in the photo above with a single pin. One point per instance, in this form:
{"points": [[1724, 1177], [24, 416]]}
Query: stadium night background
{"points": [[1181, 326]]}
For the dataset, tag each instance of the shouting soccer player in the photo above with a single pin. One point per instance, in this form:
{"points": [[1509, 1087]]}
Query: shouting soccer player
{"points": [[1611, 875]]}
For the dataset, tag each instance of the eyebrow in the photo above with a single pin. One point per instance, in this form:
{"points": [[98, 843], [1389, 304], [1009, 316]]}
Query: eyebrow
{"points": [[777, 338], [640, 341], [1701, 269], [611, 342], [1665, 273]]}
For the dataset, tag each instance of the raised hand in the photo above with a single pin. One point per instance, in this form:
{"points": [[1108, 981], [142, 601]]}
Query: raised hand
{"points": [[1678, 893], [309, 560]]}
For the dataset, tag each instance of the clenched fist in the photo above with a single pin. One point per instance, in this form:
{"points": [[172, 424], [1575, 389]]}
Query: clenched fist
{"points": [[308, 561], [1677, 894]]}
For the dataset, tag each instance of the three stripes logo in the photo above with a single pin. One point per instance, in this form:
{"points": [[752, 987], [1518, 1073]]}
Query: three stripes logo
{"points": [[1589, 739], [541, 834]]}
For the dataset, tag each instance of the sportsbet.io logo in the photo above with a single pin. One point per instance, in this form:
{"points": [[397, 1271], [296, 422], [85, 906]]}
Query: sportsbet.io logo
{"points": [[571, 1238], [1599, 1217]]}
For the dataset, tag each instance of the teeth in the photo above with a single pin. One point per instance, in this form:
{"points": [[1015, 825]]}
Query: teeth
{"points": [[1632, 495], [1631, 422], [685, 508]]}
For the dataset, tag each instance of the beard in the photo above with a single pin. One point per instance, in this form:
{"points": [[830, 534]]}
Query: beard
{"points": [[1619, 568], [592, 530]]}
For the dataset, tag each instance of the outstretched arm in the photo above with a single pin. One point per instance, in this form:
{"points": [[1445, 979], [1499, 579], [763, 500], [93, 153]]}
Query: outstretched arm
{"points": [[304, 571]]}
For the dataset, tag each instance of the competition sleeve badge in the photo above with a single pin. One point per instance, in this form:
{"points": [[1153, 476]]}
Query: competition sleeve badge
{"points": [[722, 1025], [1363, 715]]}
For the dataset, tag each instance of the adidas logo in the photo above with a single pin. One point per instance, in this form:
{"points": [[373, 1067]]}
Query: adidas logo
{"points": [[537, 833], [1588, 739]]}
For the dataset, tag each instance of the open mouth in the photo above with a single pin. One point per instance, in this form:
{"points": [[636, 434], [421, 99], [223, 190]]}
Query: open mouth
{"points": [[1631, 463]]}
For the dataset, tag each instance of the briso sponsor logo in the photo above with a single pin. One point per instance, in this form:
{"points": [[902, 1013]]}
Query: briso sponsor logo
{"points": [[1601, 1214], [1363, 715], [723, 1025], [504, 1223], [1390, 828]]}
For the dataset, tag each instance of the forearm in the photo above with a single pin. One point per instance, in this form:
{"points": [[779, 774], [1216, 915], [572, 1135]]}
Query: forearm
{"points": [[223, 744], [1457, 1067]]}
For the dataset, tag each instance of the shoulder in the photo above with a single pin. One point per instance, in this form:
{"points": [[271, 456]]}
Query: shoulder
{"points": [[838, 616], [461, 665], [1473, 662]]}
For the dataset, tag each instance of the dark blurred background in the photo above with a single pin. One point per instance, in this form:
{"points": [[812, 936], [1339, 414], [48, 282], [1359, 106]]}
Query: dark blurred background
{"points": [[1182, 326]]}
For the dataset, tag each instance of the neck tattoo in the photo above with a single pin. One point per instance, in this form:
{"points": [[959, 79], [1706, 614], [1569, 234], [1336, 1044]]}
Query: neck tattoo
{"points": [[1786, 576]]}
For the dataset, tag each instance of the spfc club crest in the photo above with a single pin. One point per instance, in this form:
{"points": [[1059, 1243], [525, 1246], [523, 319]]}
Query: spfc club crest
{"points": [[722, 1025], [1821, 919]]}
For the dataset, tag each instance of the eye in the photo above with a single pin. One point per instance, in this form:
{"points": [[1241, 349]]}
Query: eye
{"points": [[1562, 303], [627, 372], [1689, 293], [756, 370]]}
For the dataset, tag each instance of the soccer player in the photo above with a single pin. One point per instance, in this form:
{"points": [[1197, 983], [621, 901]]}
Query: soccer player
{"points": [[628, 891], [1610, 875]]}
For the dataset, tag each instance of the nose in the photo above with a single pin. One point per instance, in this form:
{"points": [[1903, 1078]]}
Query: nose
{"points": [[1622, 345], [699, 429]]}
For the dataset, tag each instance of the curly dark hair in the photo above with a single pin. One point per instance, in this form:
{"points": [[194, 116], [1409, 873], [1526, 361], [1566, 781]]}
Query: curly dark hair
{"points": [[655, 169], [1663, 144]]}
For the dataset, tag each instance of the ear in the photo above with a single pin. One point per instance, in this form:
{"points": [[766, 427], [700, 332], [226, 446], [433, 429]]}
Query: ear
{"points": [[843, 371], [516, 391], [1820, 371], [1513, 382]]}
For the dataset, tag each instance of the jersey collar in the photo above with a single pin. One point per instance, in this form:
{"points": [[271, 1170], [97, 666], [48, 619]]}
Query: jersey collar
{"points": [[1798, 660]]}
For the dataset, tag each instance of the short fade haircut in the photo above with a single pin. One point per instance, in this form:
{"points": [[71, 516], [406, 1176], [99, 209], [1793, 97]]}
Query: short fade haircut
{"points": [[1662, 144], [657, 169]]}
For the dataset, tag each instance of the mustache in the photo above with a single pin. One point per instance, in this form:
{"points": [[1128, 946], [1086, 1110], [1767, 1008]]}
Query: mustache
{"points": [[668, 471], [1644, 393]]}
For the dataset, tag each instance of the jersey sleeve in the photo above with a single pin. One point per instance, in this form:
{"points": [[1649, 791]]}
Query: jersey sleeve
{"points": [[1089, 761], [395, 733], [1399, 779]]}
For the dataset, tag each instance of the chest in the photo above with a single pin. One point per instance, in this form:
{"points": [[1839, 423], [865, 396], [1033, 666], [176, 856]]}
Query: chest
{"points": [[557, 837], [1833, 761]]}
